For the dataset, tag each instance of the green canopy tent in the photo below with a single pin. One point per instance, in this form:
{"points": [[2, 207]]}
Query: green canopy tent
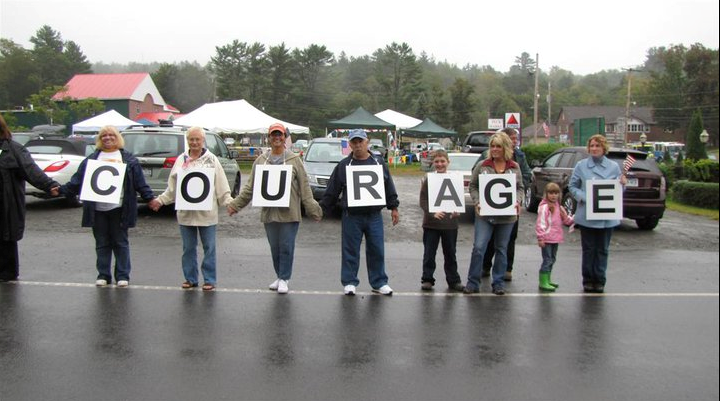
{"points": [[428, 129], [360, 118]]}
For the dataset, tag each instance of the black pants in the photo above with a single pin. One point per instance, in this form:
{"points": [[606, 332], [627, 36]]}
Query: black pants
{"points": [[490, 251], [431, 240], [9, 266]]}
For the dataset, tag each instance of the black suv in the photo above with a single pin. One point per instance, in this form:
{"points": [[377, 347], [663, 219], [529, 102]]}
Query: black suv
{"points": [[477, 141], [644, 196]]}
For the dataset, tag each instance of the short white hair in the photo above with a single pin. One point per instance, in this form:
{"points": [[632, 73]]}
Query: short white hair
{"points": [[201, 130]]}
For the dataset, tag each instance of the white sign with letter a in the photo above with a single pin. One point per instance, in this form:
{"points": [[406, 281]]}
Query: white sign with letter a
{"points": [[195, 189], [271, 185], [604, 200], [498, 194], [365, 186], [103, 181], [445, 192]]}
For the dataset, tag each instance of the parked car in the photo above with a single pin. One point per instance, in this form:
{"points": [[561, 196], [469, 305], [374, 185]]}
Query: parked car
{"points": [[322, 155], [644, 195], [157, 148], [377, 145], [23, 137], [477, 141], [464, 163], [59, 159]]}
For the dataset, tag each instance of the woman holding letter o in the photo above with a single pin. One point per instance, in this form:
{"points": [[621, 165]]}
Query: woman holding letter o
{"points": [[499, 162], [594, 234], [197, 222], [110, 221], [281, 223]]}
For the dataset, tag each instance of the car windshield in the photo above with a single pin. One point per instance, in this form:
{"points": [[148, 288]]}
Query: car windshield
{"points": [[479, 140], [325, 152], [160, 145], [642, 163], [462, 163]]}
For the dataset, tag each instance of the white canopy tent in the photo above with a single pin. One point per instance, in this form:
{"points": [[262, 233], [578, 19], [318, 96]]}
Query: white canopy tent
{"points": [[236, 116], [400, 120], [110, 117]]}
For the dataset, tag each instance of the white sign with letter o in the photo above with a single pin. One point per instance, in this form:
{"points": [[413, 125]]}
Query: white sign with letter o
{"points": [[103, 181], [195, 189], [498, 194], [445, 192], [604, 200], [271, 185], [365, 186]]}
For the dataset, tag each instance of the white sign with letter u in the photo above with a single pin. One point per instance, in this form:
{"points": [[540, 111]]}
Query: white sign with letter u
{"points": [[271, 185], [103, 181], [195, 189], [365, 185]]}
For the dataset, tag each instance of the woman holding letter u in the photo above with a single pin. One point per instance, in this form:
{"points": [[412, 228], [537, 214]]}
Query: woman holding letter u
{"points": [[281, 222], [110, 221], [594, 234], [499, 162], [197, 221]]}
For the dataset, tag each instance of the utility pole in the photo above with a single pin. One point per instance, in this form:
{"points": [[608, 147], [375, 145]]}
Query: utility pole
{"points": [[549, 102], [627, 105], [535, 98]]}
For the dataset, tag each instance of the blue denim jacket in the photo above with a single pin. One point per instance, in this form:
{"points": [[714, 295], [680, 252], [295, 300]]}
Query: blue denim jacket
{"points": [[590, 169]]}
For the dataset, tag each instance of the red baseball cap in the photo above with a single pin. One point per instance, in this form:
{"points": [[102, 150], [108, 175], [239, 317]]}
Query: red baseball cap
{"points": [[277, 127]]}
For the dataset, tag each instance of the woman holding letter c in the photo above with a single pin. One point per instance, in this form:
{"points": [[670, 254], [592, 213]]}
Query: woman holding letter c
{"points": [[594, 234], [110, 221], [499, 227]]}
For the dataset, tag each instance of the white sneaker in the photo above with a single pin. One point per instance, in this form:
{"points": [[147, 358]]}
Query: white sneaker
{"points": [[122, 283], [349, 289], [274, 285], [384, 290], [282, 287], [100, 282]]}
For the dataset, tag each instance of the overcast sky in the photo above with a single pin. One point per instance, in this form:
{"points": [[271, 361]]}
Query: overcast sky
{"points": [[580, 36]]}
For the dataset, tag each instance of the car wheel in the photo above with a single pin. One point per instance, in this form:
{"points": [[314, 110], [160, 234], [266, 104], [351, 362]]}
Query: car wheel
{"points": [[569, 203], [531, 202], [648, 223], [236, 188]]}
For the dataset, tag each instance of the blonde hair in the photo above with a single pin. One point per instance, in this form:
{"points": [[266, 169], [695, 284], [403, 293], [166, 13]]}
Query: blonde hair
{"points": [[440, 153], [601, 140], [109, 129], [502, 139], [551, 188]]}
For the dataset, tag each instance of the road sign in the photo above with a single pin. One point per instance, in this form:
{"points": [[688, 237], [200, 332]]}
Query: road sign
{"points": [[512, 120], [495, 123]]}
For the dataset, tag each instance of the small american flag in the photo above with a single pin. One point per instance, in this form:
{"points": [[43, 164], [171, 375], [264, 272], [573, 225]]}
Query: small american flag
{"points": [[629, 161], [546, 128]]}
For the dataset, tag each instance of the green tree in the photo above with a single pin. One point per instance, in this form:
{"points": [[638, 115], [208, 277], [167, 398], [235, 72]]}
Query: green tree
{"points": [[694, 149], [230, 69], [86, 108], [18, 75], [398, 73], [53, 111], [460, 104], [280, 65], [57, 60]]}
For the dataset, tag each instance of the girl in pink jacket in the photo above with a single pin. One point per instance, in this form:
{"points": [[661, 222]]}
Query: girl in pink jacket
{"points": [[550, 219]]}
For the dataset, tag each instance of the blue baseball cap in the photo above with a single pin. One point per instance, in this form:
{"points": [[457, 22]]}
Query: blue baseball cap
{"points": [[357, 133]]}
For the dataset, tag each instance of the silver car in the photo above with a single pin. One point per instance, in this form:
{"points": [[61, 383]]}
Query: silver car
{"points": [[321, 157], [157, 148]]}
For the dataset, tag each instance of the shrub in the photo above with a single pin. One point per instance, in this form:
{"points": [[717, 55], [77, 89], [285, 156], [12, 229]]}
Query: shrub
{"points": [[541, 151], [700, 194]]}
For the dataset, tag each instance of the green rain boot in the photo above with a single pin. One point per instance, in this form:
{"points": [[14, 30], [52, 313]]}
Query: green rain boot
{"points": [[556, 285], [545, 282]]}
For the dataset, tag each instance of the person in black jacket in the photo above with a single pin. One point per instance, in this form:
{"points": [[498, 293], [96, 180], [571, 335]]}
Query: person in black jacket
{"points": [[16, 167], [110, 221], [359, 221]]}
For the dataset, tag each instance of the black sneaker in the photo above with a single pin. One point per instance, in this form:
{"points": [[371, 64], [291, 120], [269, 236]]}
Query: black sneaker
{"points": [[426, 286], [456, 287], [467, 290], [498, 291]]}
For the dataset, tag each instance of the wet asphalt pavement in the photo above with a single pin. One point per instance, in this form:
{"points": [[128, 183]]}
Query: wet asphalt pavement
{"points": [[652, 336]]}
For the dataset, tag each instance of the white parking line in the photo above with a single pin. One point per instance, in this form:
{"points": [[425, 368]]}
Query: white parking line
{"points": [[396, 293]]}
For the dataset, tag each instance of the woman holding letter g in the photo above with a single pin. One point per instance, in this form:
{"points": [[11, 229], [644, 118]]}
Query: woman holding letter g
{"points": [[594, 234], [499, 162]]}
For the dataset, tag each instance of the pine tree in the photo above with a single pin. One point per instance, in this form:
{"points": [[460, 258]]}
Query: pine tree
{"points": [[694, 149]]}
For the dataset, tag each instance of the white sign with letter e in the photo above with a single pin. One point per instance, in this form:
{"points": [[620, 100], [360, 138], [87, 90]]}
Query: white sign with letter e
{"points": [[103, 181], [271, 185], [498, 194], [445, 192], [604, 200], [195, 189], [365, 186]]}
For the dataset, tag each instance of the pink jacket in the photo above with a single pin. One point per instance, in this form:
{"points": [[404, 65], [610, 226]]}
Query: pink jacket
{"points": [[549, 225]]}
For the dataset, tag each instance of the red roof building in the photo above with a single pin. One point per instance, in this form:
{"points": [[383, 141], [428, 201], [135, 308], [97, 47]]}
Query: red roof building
{"points": [[128, 94]]}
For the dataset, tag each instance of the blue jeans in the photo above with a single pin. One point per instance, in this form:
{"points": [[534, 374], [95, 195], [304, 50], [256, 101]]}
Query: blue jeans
{"points": [[111, 238], [353, 228], [281, 237], [431, 240], [549, 254], [189, 236], [484, 231], [595, 249]]}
